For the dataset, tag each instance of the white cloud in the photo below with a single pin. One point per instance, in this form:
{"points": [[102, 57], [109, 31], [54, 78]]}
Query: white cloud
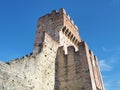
{"points": [[104, 66], [107, 85], [113, 58], [109, 68], [105, 49], [112, 84]]}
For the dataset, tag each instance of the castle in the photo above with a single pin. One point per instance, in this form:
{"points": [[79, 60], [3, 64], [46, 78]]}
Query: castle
{"points": [[60, 60]]}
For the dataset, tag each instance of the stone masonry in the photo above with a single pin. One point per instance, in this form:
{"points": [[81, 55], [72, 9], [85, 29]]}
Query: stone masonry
{"points": [[60, 60]]}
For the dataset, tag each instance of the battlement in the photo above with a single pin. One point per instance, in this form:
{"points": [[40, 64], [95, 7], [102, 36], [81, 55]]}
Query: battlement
{"points": [[57, 18], [60, 13], [60, 27], [76, 64], [70, 35]]}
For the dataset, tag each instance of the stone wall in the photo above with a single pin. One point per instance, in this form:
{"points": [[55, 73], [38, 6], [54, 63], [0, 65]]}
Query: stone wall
{"points": [[31, 72], [52, 69]]}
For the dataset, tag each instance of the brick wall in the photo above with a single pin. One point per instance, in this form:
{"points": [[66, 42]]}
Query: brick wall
{"points": [[75, 71], [53, 24]]}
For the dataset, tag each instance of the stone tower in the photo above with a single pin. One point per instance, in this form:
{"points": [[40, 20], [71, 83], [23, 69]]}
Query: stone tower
{"points": [[76, 69], [60, 60], [59, 26]]}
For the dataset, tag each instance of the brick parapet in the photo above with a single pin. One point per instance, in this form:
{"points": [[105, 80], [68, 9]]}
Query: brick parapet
{"points": [[92, 61], [59, 18], [83, 63]]}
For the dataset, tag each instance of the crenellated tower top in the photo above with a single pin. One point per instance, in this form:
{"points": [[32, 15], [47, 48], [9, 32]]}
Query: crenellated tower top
{"points": [[59, 26]]}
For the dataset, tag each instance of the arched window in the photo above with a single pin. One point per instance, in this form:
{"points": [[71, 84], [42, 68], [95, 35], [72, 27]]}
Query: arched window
{"points": [[71, 37], [63, 30], [66, 32], [69, 34]]}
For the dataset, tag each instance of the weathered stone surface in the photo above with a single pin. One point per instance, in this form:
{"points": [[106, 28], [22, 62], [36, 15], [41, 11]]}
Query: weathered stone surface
{"points": [[60, 60]]}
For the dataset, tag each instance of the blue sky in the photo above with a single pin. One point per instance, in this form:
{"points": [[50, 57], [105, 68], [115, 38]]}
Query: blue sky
{"points": [[98, 22]]}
